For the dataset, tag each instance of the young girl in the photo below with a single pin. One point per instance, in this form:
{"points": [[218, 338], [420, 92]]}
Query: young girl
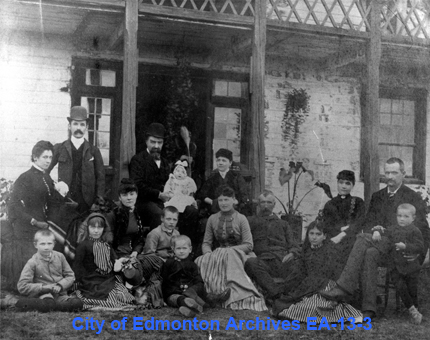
{"points": [[313, 272], [98, 285]]}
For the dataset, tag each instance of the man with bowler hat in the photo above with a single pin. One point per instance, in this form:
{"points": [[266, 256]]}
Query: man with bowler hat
{"points": [[80, 164], [150, 172]]}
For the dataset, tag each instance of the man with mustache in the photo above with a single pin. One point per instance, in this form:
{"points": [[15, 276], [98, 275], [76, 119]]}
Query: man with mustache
{"points": [[274, 246], [370, 249], [150, 172], [80, 164]]}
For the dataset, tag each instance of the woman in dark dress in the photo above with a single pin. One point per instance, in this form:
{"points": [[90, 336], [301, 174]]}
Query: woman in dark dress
{"points": [[128, 239], [33, 197], [343, 218]]}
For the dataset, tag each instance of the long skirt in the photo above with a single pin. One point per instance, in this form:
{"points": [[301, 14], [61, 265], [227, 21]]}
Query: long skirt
{"points": [[14, 255], [118, 298], [224, 268], [151, 271], [317, 306]]}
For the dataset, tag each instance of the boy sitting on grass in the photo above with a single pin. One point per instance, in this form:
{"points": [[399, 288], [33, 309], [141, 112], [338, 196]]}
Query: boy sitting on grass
{"points": [[46, 278], [183, 286]]}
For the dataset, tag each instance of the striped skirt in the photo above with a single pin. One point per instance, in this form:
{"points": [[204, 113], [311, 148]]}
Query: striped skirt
{"points": [[224, 269], [317, 306], [119, 298]]}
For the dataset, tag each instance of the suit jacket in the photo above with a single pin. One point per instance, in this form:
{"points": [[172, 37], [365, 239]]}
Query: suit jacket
{"points": [[93, 172], [177, 272], [383, 211], [148, 177], [412, 237], [273, 237]]}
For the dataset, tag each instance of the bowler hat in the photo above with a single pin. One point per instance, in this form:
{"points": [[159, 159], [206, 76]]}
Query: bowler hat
{"points": [[78, 113], [155, 130]]}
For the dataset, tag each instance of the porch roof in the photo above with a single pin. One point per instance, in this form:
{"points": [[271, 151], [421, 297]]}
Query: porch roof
{"points": [[326, 32]]}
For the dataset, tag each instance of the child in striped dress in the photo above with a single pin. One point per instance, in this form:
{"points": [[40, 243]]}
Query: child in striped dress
{"points": [[99, 287]]}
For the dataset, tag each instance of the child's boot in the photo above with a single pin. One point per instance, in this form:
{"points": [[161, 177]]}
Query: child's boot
{"points": [[191, 293], [185, 311], [415, 315]]}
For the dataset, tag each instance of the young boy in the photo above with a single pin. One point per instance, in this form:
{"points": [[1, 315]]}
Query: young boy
{"points": [[158, 240], [183, 286], [407, 239], [46, 278], [222, 175]]}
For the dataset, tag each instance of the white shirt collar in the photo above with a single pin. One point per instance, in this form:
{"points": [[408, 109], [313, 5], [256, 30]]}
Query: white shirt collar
{"points": [[38, 168], [77, 142], [223, 173]]}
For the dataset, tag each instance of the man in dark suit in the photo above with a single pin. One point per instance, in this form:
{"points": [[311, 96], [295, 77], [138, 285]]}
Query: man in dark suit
{"points": [[80, 164], [370, 250], [150, 172]]}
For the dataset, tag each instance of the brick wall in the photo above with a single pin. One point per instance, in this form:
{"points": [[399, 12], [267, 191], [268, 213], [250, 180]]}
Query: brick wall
{"points": [[330, 137], [32, 105]]}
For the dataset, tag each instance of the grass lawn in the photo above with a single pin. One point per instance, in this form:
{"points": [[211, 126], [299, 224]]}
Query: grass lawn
{"points": [[34, 325]]}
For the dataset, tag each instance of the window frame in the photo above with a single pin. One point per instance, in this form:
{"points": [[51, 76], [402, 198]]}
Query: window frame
{"points": [[419, 96]]}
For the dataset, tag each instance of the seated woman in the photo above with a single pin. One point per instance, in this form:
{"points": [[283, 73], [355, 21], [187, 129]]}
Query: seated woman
{"points": [[222, 269], [128, 239], [98, 285], [312, 272], [343, 218], [34, 197], [223, 175]]}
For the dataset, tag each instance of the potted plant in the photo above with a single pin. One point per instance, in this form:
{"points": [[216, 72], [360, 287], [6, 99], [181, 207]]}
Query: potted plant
{"points": [[291, 178], [296, 111]]}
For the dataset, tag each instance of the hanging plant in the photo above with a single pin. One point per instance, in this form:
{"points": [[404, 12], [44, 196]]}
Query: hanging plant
{"points": [[296, 111]]}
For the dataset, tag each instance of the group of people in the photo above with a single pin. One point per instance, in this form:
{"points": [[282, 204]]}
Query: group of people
{"points": [[244, 263]]}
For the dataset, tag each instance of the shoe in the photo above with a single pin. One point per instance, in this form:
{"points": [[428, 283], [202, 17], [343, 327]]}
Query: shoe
{"points": [[219, 298], [191, 293], [193, 305], [416, 316], [185, 311], [369, 314], [8, 301], [335, 294]]}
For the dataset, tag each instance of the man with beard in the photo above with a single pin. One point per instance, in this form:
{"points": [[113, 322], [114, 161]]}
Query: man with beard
{"points": [[371, 249], [274, 246], [80, 164]]}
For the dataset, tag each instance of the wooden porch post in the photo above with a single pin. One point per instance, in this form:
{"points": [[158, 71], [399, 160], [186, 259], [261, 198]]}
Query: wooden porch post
{"points": [[257, 75], [370, 124], [128, 138]]}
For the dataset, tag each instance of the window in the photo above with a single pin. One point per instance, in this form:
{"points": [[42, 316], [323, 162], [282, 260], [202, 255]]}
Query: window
{"points": [[402, 129], [98, 133], [97, 85], [229, 100]]}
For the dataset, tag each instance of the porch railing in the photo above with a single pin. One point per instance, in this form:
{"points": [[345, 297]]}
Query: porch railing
{"points": [[402, 18]]}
